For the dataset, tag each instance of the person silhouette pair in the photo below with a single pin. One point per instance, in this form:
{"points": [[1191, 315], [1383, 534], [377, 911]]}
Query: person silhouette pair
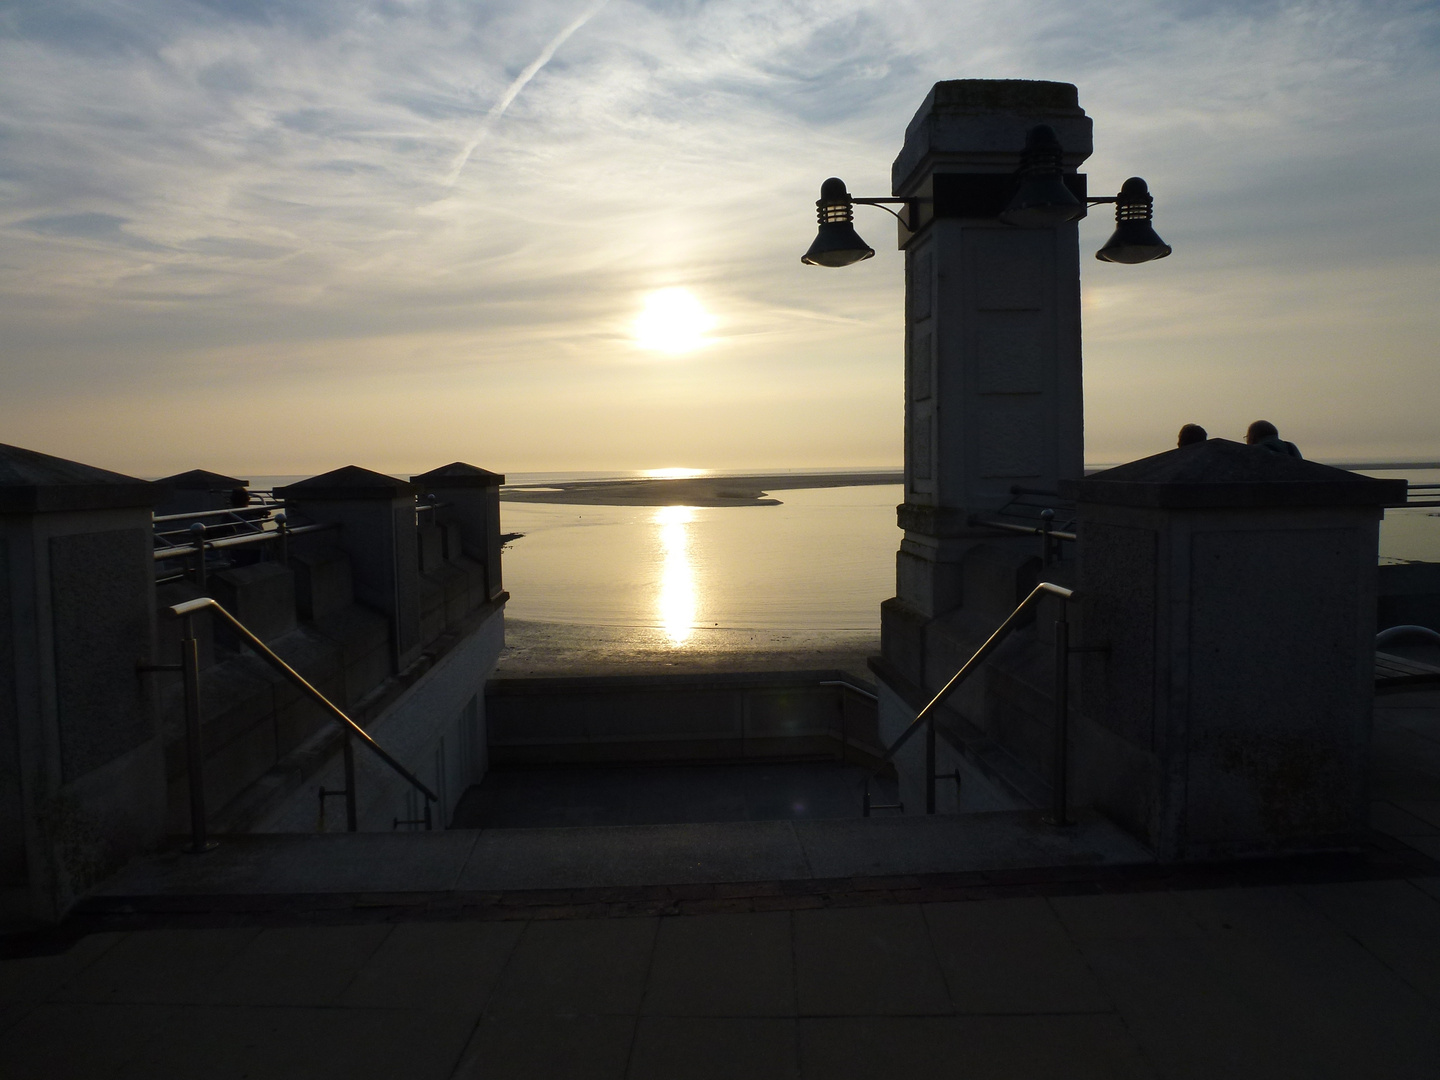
{"points": [[1261, 433]]}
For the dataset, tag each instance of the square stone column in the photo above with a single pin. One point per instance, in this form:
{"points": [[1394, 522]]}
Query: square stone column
{"points": [[472, 498], [992, 324], [376, 515], [82, 777], [1234, 589]]}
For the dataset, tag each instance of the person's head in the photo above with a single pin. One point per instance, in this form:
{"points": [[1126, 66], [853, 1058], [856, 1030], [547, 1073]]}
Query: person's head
{"points": [[1260, 430], [1191, 433]]}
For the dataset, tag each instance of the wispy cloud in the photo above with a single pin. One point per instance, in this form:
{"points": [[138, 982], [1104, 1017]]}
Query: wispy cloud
{"points": [[281, 198], [513, 90]]}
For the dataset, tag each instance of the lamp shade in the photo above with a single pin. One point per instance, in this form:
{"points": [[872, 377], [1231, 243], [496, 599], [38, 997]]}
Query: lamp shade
{"points": [[1134, 239], [837, 243], [1042, 200]]}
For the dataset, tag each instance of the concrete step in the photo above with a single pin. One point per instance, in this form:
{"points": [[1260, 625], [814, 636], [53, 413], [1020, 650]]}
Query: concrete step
{"points": [[624, 856]]}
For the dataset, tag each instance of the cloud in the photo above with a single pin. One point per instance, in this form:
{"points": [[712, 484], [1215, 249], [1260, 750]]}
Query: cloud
{"points": [[285, 180]]}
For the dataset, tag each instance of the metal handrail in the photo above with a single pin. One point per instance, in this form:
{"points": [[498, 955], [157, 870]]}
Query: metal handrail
{"points": [[179, 551], [189, 608], [926, 716], [1028, 530]]}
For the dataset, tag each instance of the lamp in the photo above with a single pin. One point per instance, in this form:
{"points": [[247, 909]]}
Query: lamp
{"points": [[837, 243], [1134, 239], [1035, 196], [1042, 201]]}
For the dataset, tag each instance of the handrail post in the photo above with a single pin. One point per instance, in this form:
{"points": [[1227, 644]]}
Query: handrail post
{"points": [[930, 766], [194, 752], [197, 531], [1059, 796], [348, 752]]}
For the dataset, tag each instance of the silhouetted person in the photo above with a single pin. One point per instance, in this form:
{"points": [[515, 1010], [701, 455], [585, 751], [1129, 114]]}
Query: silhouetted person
{"points": [[1264, 434], [1192, 433]]}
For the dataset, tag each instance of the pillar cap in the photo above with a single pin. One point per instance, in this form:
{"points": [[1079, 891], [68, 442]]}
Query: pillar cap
{"points": [[980, 124], [32, 482], [458, 475], [1219, 473], [347, 484], [201, 480]]}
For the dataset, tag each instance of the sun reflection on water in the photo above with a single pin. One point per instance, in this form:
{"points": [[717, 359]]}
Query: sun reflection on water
{"points": [[677, 576]]}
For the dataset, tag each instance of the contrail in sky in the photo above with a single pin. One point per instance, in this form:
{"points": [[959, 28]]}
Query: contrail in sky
{"points": [[513, 90]]}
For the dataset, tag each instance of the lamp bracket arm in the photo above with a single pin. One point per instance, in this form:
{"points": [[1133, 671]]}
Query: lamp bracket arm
{"points": [[881, 204], [1091, 200]]}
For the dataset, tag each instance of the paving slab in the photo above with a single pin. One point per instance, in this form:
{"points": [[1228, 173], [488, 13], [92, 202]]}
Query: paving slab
{"points": [[1310, 1008], [171, 966], [446, 967], [34, 978], [81, 1039], [592, 967], [1011, 956], [301, 1044], [989, 841], [866, 962], [714, 1048], [621, 855], [568, 1047], [971, 1047], [296, 965], [746, 960]]}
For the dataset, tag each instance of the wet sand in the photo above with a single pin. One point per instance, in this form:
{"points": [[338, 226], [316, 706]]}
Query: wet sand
{"points": [[748, 490], [535, 648]]}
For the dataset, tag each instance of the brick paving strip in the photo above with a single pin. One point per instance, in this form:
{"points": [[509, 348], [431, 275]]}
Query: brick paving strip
{"points": [[1384, 858]]}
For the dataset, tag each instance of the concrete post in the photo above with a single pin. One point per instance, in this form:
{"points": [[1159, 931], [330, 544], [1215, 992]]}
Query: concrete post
{"points": [[992, 325], [376, 514], [1235, 591], [82, 777], [472, 496]]}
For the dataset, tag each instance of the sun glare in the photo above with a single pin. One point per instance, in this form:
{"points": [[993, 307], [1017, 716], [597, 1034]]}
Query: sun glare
{"points": [[673, 321]]}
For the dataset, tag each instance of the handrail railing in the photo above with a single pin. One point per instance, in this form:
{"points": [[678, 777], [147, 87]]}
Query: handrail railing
{"points": [[190, 667], [926, 716]]}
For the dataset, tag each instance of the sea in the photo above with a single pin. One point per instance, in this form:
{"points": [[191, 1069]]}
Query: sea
{"points": [[824, 559]]}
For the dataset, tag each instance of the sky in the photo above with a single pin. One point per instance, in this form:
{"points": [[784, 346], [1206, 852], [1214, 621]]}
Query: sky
{"points": [[280, 236]]}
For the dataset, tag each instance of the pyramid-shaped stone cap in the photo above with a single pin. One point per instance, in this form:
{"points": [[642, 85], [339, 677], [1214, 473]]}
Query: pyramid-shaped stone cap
{"points": [[348, 483], [201, 480], [458, 475], [1220, 473], [31, 482]]}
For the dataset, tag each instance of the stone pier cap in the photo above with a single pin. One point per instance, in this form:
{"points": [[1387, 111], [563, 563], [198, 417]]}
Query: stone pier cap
{"points": [[345, 484], [1220, 473], [980, 125], [32, 482]]}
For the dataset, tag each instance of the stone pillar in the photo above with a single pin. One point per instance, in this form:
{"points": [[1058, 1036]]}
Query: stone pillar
{"points": [[376, 515], [1235, 590], [992, 325], [82, 777], [472, 496]]}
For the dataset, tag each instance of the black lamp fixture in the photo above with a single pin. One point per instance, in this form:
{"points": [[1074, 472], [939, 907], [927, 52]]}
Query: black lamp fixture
{"points": [[837, 243], [1038, 195], [1042, 201]]}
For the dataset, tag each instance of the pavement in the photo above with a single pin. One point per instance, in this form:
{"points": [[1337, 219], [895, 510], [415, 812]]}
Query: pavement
{"points": [[1338, 979], [1305, 968]]}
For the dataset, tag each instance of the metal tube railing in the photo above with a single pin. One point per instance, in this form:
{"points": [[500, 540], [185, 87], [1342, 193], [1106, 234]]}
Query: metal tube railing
{"points": [[190, 667], [926, 716]]}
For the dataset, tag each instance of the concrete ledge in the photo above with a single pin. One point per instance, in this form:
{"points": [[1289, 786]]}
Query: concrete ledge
{"points": [[504, 860]]}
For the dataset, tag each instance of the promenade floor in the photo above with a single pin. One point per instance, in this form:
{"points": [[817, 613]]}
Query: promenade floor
{"points": [[1310, 969]]}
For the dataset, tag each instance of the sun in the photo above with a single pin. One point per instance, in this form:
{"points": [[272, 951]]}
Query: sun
{"points": [[673, 321]]}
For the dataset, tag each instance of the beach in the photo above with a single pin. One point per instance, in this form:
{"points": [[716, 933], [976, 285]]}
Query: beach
{"points": [[726, 490]]}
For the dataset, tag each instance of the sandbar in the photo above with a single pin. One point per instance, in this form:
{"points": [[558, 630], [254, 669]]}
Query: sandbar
{"points": [[739, 490]]}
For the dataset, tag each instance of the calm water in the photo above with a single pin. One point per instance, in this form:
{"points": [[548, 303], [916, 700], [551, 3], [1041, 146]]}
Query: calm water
{"points": [[823, 560]]}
